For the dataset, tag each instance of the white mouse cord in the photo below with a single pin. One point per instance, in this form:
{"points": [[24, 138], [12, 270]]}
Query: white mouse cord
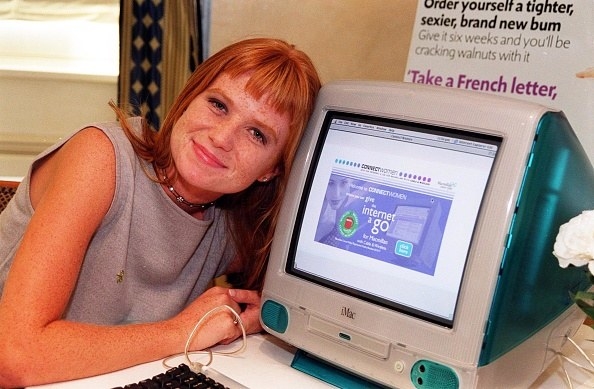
{"points": [[197, 366]]}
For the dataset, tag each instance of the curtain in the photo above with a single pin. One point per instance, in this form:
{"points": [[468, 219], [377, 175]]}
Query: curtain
{"points": [[159, 48]]}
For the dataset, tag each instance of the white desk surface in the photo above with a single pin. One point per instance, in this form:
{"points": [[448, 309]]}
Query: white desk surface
{"points": [[266, 364]]}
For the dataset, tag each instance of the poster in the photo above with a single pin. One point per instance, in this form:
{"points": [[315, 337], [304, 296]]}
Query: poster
{"points": [[540, 51]]}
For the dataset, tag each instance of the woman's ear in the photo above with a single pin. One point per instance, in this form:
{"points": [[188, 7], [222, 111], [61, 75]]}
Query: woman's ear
{"points": [[269, 176]]}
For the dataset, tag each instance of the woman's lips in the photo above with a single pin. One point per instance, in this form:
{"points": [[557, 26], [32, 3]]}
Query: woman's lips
{"points": [[207, 157]]}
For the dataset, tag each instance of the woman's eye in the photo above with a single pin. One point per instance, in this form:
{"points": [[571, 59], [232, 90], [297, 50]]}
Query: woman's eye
{"points": [[258, 135], [218, 105]]}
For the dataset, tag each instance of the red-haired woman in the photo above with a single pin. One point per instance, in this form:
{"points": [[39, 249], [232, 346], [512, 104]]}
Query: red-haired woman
{"points": [[108, 248]]}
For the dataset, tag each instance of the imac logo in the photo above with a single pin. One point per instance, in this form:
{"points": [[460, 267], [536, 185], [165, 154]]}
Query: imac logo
{"points": [[345, 311]]}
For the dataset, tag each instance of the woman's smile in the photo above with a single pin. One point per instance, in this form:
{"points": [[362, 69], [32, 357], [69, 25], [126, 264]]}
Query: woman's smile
{"points": [[207, 157]]}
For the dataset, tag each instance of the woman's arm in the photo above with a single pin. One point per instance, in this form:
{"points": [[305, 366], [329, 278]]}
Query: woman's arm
{"points": [[71, 192]]}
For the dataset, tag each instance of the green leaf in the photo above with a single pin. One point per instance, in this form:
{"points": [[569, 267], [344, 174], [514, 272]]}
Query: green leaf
{"points": [[585, 301], [585, 296]]}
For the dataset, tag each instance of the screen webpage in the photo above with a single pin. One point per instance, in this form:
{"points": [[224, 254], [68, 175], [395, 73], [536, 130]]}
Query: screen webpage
{"points": [[390, 210]]}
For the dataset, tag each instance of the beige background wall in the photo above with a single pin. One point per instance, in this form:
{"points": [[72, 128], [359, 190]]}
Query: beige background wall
{"points": [[346, 39], [38, 108]]}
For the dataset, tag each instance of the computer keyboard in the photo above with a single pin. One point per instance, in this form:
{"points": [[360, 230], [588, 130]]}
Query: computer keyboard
{"points": [[181, 377]]}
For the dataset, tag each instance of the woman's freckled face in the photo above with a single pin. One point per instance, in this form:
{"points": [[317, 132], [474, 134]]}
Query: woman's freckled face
{"points": [[226, 140]]}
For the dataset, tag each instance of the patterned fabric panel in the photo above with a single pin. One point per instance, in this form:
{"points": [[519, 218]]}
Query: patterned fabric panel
{"points": [[146, 52], [5, 196]]}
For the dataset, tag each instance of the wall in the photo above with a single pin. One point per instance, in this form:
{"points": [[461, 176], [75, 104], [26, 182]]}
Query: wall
{"points": [[38, 108], [346, 39], [55, 75]]}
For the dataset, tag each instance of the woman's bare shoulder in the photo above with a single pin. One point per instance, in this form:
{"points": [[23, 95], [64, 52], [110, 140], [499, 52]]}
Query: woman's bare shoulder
{"points": [[85, 164]]}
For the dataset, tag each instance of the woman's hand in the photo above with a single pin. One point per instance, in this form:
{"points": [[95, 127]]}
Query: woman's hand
{"points": [[219, 327], [250, 316]]}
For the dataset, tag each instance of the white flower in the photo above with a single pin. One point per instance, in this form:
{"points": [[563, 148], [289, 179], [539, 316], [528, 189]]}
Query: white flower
{"points": [[575, 242]]}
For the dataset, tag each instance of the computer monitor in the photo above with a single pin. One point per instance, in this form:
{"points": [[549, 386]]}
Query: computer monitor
{"points": [[414, 245]]}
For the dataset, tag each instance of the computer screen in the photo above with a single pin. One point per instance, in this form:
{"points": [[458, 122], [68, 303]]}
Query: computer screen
{"points": [[414, 244], [394, 205]]}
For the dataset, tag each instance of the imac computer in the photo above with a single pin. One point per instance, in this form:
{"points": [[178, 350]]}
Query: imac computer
{"points": [[414, 245]]}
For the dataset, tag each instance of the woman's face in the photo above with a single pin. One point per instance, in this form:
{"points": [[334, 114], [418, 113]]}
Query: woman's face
{"points": [[226, 140], [337, 190]]}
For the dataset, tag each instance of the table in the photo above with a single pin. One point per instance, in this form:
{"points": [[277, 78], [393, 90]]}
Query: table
{"points": [[266, 364]]}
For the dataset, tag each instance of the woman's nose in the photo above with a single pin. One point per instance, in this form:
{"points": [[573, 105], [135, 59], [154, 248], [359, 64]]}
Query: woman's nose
{"points": [[334, 193], [222, 136]]}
